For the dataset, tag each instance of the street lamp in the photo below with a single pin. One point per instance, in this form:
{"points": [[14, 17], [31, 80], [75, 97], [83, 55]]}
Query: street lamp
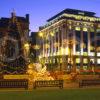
{"points": [[40, 34]]}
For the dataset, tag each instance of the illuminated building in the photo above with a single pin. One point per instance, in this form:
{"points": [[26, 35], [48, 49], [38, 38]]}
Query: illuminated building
{"points": [[14, 33], [72, 36]]}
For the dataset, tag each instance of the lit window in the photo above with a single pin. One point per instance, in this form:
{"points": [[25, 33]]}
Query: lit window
{"points": [[77, 60], [84, 67], [85, 61], [77, 53], [98, 54], [85, 53], [85, 29], [98, 61], [77, 28], [92, 54]]}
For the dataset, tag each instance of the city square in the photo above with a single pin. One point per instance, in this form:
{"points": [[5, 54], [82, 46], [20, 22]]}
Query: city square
{"points": [[50, 54]]}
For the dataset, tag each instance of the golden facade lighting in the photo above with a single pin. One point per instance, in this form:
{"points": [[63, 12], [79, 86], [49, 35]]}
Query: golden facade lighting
{"points": [[73, 42], [41, 34]]}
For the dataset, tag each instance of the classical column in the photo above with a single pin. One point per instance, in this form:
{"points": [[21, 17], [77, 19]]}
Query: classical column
{"points": [[95, 40], [81, 49], [67, 38], [89, 47], [74, 51], [88, 42], [55, 48], [59, 47], [74, 42], [43, 48], [52, 51], [64, 65]]}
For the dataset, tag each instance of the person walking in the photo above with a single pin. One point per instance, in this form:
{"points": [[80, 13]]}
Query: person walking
{"points": [[92, 66]]}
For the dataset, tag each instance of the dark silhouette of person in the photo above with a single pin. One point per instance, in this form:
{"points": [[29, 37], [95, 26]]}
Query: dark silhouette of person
{"points": [[69, 66], [92, 66]]}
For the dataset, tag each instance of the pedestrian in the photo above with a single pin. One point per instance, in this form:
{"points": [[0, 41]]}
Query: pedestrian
{"points": [[92, 66], [69, 66]]}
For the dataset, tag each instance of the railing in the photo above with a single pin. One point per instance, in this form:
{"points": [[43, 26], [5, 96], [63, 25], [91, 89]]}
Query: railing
{"points": [[14, 83], [89, 82], [50, 83]]}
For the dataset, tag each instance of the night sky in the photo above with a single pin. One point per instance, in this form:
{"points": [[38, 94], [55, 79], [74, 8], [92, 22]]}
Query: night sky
{"points": [[41, 10]]}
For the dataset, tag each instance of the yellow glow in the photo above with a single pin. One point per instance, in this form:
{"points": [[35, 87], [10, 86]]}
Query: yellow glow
{"points": [[85, 61], [40, 34], [92, 53], [77, 60], [66, 51], [70, 22], [70, 27], [77, 53], [51, 33], [77, 28], [79, 17], [24, 76], [54, 53], [83, 45], [36, 47], [26, 46], [91, 48], [60, 60], [85, 53], [56, 44], [63, 51], [85, 29], [98, 54], [47, 45], [81, 51], [30, 66], [40, 56], [98, 61], [58, 53]]}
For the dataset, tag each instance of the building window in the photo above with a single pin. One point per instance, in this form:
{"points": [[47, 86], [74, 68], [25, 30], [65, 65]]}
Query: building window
{"points": [[77, 28], [85, 41], [92, 41], [98, 61], [85, 61], [85, 29], [78, 40], [77, 60]]}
